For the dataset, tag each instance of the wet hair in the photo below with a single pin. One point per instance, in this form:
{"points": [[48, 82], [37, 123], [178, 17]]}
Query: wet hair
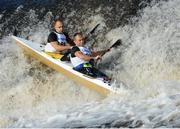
{"points": [[57, 20], [77, 34]]}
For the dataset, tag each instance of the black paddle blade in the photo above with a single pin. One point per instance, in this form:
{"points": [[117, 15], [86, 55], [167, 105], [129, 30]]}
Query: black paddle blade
{"points": [[15, 33], [92, 31], [117, 43]]}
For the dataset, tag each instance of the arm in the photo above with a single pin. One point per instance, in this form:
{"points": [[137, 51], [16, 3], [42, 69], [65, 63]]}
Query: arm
{"points": [[60, 47], [94, 54], [85, 57], [52, 38]]}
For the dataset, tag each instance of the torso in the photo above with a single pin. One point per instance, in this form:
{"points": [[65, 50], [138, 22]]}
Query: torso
{"points": [[76, 60], [61, 38]]}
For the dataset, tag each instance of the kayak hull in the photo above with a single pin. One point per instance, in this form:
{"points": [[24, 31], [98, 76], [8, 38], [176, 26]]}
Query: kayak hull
{"points": [[93, 84]]}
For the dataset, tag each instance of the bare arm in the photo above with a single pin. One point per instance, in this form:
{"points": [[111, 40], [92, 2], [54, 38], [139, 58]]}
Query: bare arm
{"points": [[94, 54], [60, 47], [83, 56]]}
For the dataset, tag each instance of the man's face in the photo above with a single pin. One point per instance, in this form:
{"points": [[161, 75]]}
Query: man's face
{"points": [[79, 40], [59, 27]]}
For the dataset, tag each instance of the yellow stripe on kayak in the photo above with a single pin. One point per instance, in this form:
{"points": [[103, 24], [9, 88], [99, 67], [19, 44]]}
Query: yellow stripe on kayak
{"points": [[54, 55]]}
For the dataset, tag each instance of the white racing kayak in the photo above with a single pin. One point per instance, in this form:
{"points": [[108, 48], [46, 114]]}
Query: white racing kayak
{"points": [[36, 50]]}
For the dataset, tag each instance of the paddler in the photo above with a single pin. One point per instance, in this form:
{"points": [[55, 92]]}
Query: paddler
{"points": [[83, 59], [58, 40]]}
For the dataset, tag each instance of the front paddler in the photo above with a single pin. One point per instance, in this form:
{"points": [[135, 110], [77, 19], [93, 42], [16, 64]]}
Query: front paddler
{"points": [[82, 58]]}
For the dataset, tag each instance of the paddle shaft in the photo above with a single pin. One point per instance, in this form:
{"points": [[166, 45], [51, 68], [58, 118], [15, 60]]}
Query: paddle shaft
{"points": [[116, 44]]}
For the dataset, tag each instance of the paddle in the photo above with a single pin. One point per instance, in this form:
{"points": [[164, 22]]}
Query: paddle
{"points": [[15, 32], [92, 31], [116, 44]]}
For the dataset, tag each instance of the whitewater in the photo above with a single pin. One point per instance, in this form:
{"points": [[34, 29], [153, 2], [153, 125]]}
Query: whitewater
{"points": [[148, 65]]}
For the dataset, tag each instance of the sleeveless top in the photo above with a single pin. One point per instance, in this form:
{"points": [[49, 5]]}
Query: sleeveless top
{"points": [[61, 38], [76, 60], [54, 36]]}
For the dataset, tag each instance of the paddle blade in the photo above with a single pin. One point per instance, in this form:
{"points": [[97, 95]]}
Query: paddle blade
{"points": [[117, 43], [15, 33], [92, 31]]}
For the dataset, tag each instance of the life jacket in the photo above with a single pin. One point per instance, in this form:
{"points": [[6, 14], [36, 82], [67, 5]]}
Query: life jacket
{"points": [[76, 61], [61, 38]]}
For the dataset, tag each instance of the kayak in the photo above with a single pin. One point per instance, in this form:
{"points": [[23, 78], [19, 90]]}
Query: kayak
{"points": [[36, 50]]}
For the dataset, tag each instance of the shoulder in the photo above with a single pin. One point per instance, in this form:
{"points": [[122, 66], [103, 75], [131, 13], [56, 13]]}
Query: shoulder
{"points": [[52, 34], [75, 48], [52, 37], [66, 34]]}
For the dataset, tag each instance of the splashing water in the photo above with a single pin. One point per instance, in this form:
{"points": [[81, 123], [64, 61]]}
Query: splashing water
{"points": [[33, 95]]}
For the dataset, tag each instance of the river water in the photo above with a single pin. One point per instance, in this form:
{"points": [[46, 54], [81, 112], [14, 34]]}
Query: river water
{"points": [[147, 64]]}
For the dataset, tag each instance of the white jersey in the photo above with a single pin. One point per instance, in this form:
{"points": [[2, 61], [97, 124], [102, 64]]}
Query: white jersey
{"points": [[61, 39], [76, 60], [49, 48]]}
